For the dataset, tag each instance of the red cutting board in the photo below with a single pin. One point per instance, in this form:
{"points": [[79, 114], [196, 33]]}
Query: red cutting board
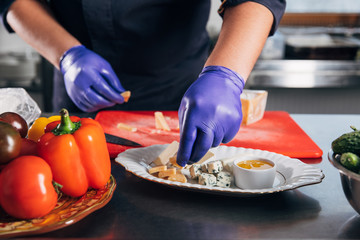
{"points": [[276, 132]]}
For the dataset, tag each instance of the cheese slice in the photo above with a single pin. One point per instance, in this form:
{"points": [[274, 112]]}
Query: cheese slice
{"points": [[157, 169], [160, 122], [164, 156], [173, 162], [207, 156], [126, 127], [178, 177], [167, 173], [253, 105], [126, 95]]}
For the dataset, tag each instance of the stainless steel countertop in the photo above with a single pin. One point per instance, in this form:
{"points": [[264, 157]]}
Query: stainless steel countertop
{"points": [[305, 74], [145, 210]]}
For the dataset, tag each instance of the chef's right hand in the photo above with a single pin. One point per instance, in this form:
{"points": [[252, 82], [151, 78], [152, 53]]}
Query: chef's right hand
{"points": [[89, 79]]}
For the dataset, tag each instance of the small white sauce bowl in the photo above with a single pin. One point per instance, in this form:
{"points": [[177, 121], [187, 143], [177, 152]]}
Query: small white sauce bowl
{"points": [[253, 178]]}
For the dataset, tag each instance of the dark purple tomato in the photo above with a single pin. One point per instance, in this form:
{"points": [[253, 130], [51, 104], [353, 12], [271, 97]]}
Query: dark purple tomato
{"points": [[16, 121], [10, 143]]}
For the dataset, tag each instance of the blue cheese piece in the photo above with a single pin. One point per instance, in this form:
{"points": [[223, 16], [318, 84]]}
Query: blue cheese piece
{"points": [[195, 171], [223, 179], [204, 168], [207, 179], [214, 167]]}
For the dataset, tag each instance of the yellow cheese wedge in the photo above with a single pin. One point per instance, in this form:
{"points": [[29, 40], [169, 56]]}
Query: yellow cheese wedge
{"points": [[253, 105], [178, 177], [126, 127], [160, 122], [207, 156], [126, 95], [167, 173], [157, 169], [164, 156], [173, 162]]}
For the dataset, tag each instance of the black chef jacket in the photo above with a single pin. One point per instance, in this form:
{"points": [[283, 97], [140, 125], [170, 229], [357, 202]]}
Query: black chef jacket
{"points": [[156, 47]]}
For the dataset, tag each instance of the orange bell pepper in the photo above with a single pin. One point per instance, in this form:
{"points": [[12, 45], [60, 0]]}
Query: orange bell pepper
{"points": [[77, 154]]}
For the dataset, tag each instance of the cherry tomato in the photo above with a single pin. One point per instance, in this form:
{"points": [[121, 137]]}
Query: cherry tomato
{"points": [[10, 142], [28, 147], [26, 189], [16, 121]]}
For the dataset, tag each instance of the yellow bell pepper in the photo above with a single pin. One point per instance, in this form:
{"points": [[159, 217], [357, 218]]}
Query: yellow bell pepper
{"points": [[37, 129]]}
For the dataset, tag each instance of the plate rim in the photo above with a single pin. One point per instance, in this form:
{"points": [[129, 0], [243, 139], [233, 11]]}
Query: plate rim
{"points": [[315, 176]]}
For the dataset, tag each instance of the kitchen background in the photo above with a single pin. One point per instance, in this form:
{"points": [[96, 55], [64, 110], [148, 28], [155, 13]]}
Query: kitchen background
{"points": [[312, 64]]}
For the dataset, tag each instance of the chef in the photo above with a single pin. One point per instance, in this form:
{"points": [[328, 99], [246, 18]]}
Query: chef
{"points": [[157, 49]]}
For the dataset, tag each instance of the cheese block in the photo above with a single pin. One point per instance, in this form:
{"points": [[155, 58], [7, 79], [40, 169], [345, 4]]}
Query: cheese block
{"points": [[195, 171], [207, 179], [160, 122], [204, 168], [223, 179], [167, 173], [164, 156], [178, 177], [206, 157], [126, 127], [173, 162], [126, 95], [214, 167], [253, 105], [157, 169]]}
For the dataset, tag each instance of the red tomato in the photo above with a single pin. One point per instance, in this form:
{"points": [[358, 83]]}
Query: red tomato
{"points": [[26, 189], [28, 147]]}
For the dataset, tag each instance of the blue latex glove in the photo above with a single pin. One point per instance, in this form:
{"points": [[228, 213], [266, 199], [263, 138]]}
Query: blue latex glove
{"points": [[210, 113], [89, 79]]}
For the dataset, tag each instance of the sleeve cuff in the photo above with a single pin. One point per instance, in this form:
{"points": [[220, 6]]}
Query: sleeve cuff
{"points": [[4, 7], [277, 8]]}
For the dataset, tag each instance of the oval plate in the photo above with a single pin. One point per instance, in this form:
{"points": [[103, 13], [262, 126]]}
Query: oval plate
{"points": [[67, 211], [291, 173]]}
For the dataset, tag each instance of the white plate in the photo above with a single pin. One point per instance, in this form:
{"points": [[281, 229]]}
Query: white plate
{"points": [[291, 173]]}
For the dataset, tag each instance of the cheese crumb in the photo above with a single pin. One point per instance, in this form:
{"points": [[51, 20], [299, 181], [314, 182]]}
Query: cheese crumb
{"points": [[126, 127], [160, 122], [126, 95]]}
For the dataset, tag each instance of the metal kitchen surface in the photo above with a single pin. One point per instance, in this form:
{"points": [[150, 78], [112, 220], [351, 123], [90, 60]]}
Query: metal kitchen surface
{"points": [[305, 74]]}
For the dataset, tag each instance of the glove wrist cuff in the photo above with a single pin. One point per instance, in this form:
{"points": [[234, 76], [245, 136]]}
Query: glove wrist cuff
{"points": [[236, 78], [69, 57]]}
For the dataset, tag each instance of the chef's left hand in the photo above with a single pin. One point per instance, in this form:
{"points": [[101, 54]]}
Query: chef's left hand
{"points": [[210, 113]]}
